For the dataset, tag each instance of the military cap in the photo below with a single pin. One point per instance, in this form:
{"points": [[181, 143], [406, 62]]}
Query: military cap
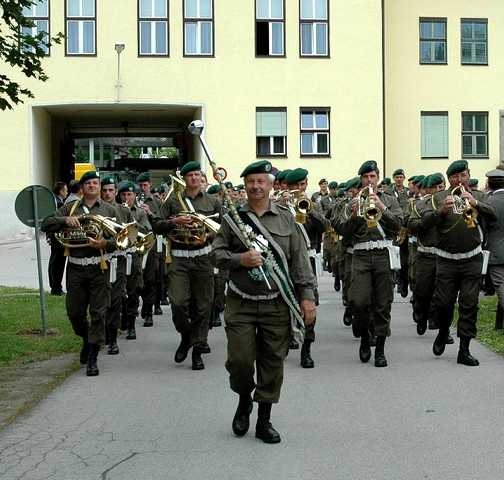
{"points": [[473, 182], [497, 173], [108, 181], [296, 175], [333, 185], [154, 190], [418, 179], [190, 167], [240, 186], [434, 179], [412, 178], [88, 176], [228, 184], [212, 189], [163, 188], [261, 166], [457, 166], [353, 183], [126, 186], [281, 175], [367, 166], [322, 180], [386, 181], [144, 177], [423, 182], [399, 171]]}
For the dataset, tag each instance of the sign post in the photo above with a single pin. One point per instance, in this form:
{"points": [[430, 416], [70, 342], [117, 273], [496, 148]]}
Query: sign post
{"points": [[33, 204]]}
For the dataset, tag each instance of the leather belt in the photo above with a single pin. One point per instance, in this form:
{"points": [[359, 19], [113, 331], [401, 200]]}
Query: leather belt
{"points": [[191, 253], [375, 245], [459, 256], [84, 262]]}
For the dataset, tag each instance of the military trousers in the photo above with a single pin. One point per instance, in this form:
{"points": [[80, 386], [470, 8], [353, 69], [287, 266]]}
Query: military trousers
{"points": [[150, 275], [372, 290], [134, 284], [191, 296], [117, 293], [404, 275], [258, 334], [412, 265], [220, 280], [497, 276], [88, 287], [347, 278], [425, 283], [458, 278], [56, 266]]}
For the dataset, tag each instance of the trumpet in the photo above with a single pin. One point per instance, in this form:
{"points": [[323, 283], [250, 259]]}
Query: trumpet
{"points": [[367, 208], [301, 204], [461, 206]]}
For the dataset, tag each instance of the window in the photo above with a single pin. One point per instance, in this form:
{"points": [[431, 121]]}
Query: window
{"points": [[271, 131], [80, 24], [475, 134], [433, 40], [153, 27], [315, 131], [198, 28], [474, 42], [314, 28], [434, 133], [270, 31], [39, 15]]}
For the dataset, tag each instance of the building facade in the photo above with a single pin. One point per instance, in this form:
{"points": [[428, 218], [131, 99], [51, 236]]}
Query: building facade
{"points": [[321, 84]]}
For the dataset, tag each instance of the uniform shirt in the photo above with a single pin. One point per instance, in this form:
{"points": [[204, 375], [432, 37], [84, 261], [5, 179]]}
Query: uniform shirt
{"points": [[453, 234], [426, 237], [495, 239], [123, 213], [280, 223], [141, 218], [56, 223], [355, 230], [401, 196]]}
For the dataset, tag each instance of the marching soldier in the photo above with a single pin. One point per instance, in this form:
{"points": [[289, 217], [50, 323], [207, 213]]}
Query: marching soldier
{"points": [[257, 319], [87, 273], [322, 193], [191, 272], [459, 263], [371, 293]]}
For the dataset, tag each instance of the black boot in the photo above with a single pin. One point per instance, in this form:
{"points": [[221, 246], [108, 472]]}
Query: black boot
{"points": [[92, 367], [464, 356], [197, 361], [438, 347], [337, 284], [241, 419], [499, 317], [379, 354], [148, 322], [421, 322], [183, 349], [84, 353], [204, 348], [306, 360], [113, 349], [365, 349], [131, 328], [107, 335], [264, 429], [372, 339], [293, 344], [157, 309], [347, 316], [449, 339]]}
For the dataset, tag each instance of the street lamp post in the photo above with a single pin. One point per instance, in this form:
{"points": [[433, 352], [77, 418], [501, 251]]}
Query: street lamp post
{"points": [[119, 47]]}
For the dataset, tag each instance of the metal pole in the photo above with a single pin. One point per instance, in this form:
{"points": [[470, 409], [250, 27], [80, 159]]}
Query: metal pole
{"points": [[39, 264]]}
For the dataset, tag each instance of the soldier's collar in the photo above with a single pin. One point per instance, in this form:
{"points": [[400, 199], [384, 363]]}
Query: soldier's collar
{"points": [[273, 208]]}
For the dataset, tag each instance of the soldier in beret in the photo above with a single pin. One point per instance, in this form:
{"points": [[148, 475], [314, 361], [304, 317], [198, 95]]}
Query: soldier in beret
{"points": [[371, 284], [87, 272], [459, 258], [258, 326], [191, 271]]}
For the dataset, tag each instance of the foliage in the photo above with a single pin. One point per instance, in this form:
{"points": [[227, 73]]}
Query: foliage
{"points": [[493, 339], [21, 51]]}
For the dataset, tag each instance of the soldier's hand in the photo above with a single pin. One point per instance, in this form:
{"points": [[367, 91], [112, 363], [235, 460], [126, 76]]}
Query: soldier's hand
{"points": [[447, 205], [146, 208], [251, 259], [182, 220], [72, 222], [98, 244], [308, 311], [468, 195], [354, 205], [376, 199]]}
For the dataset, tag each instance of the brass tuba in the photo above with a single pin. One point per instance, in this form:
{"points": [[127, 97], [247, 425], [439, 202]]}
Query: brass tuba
{"points": [[461, 206], [367, 208]]}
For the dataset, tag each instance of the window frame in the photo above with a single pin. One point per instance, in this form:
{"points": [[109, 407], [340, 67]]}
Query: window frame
{"points": [[154, 20], [432, 40], [197, 20], [271, 137], [474, 20], [315, 131], [81, 19], [440, 113], [313, 22], [48, 19], [269, 21], [474, 134]]}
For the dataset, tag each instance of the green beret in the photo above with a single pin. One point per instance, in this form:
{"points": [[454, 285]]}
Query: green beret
{"points": [[281, 175], [108, 181], [143, 177], [333, 185], [296, 175], [228, 184], [418, 179], [434, 179], [473, 182], [386, 181], [322, 180], [353, 183], [213, 189], [424, 182], [368, 166], [412, 178], [154, 190], [261, 166], [163, 188], [190, 167], [457, 166], [240, 186], [126, 186], [399, 171], [88, 176]]}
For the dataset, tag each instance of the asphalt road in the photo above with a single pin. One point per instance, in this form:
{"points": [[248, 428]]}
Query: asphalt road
{"points": [[145, 417]]}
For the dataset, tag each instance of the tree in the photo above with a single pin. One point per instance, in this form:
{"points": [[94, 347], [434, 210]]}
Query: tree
{"points": [[20, 50]]}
